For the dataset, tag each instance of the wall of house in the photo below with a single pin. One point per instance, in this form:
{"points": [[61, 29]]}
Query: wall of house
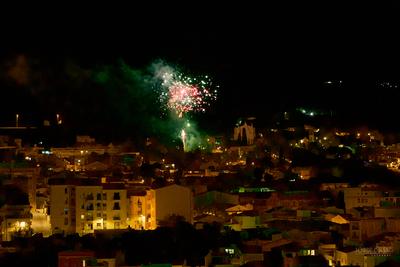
{"points": [[174, 199]]}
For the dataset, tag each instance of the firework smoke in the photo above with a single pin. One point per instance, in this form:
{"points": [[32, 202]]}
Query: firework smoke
{"points": [[160, 100], [181, 95]]}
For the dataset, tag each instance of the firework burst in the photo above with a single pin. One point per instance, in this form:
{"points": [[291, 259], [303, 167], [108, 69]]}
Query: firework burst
{"points": [[183, 94]]}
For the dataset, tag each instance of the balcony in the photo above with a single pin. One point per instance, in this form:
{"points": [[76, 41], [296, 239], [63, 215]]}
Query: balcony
{"points": [[116, 206]]}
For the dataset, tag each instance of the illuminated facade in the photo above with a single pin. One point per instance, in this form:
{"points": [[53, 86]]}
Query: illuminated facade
{"points": [[245, 132], [149, 210], [115, 211], [15, 220], [138, 211], [85, 208]]}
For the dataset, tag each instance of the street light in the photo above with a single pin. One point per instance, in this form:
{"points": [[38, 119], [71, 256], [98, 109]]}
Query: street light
{"points": [[16, 120]]}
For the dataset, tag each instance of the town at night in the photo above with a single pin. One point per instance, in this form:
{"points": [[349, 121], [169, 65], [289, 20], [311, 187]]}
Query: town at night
{"points": [[231, 136]]}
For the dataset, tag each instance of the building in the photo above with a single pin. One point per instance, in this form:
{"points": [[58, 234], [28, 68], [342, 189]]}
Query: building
{"points": [[155, 207], [360, 257], [88, 210], [361, 230], [24, 176], [62, 208], [387, 212], [15, 220], [115, 211], [393, 225], [245, 132], [81, 208], [137, 210], [291, 200], [360, 197]]}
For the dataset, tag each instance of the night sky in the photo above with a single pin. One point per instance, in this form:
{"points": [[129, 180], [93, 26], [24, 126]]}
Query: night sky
{"points": [[265, 58]]}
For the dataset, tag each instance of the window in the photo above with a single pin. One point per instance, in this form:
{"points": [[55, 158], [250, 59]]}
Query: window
{"points": [[98, 224], [89, 196], [90, 226], [230, 251], [98, 206], [89, 217], [104, 216], [116, 218], [98, 214], [89, 206], [66, 211], [98, 197], [116, 206], [104, 206], [66, 221], [66, 190], [355, 235], [116, 196], [104, 196], [139, 207], [355, 226], [66, 201]]}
